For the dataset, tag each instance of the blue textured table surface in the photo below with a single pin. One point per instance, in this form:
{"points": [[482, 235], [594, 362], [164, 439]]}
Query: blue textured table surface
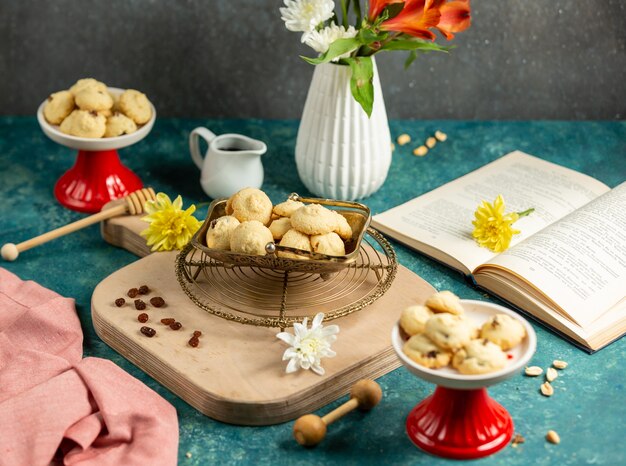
{"points": [[588, 408]]}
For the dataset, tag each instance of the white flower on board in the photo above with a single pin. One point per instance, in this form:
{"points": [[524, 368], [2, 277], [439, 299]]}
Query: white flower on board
{"points": [[320, 40], [308, 346], [306, 15]]}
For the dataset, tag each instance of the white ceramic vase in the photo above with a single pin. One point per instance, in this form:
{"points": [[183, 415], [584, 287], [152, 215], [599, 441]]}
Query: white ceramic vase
{"points": [[340, 152]]}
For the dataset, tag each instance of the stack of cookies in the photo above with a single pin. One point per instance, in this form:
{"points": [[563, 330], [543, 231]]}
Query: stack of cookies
{"points": [[252, 222], [440, 334], [89, 110]]}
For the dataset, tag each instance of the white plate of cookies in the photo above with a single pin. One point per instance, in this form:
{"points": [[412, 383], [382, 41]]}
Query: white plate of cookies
{"points": [[298, 234], [91, 116], [462, 344]]}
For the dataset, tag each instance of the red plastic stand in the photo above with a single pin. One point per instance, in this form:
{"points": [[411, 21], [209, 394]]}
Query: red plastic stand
{"points": [[96, 178], [459, 424]]}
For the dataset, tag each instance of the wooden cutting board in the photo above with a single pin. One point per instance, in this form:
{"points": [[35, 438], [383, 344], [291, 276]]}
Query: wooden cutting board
{"points": [[236, 374]]}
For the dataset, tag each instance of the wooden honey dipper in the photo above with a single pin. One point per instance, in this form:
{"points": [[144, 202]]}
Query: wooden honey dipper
{"points": [[134, 205], [309, 430]]}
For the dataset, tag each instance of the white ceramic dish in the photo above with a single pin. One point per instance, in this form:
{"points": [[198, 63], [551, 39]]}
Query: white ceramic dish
{"points": [[94, 144], [477, 312]]}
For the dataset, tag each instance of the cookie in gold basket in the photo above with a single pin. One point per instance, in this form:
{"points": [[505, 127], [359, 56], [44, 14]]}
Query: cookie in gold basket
{"points": [[413, 319], [250, 204], [84, 124], [118, 125], [294, 239], [449, 331], [279, 227], [250, 238], [445, 301], [136, 106], [58, 106], [342, 227], [287, 208], [219, 232], [313, 219], [94, 99], [86, 83], [423, 351], [504, 331], [329, 244], [479, 357]]}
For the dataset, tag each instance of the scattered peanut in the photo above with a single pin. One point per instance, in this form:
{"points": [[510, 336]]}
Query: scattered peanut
{"points": [[441, 136], [546, 389], [431, 142], [188, 454], [533, 371], [403, 139], [553, 437], [393, 147], [420, 151], [559, 364], [551, 374]]}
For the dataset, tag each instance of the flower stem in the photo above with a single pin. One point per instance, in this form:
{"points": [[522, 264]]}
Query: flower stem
{"points": [[526, 212], [345, 6], [357, 12]]}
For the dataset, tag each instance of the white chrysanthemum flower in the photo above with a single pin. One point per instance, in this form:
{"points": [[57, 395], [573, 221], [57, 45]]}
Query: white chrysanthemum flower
{"points": [[320, 40], [309, 346], [306, 15]]}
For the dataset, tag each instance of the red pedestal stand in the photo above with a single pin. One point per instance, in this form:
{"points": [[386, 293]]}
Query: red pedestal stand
{"points": [[459, 424], [96, 178]]}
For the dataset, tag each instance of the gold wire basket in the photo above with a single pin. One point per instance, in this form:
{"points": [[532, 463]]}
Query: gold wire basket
{"points": [[357, 215], [269, 297]]}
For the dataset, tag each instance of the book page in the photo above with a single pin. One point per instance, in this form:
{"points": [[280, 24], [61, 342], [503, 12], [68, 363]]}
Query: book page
{"points": [[443, 217], [578, 262]]}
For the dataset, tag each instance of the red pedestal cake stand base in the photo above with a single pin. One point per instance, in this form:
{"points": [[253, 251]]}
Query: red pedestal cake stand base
{"points": [[96, 178], [460, 424]]}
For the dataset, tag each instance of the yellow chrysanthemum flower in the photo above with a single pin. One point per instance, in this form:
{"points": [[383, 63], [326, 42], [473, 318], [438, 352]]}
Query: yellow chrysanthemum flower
{"points": [[171, 227], [493, 228]]}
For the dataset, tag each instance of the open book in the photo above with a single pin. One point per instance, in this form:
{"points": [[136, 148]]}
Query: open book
{"points": [[566, 268]]}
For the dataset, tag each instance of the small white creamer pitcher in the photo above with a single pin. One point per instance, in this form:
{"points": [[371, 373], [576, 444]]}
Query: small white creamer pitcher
{"points": [[232, 162]]}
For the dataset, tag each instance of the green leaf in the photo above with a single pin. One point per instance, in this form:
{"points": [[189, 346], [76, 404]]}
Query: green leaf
{"points": [[336, 49], [367, 36], [361, 82], [410, 59], [415, 44]]}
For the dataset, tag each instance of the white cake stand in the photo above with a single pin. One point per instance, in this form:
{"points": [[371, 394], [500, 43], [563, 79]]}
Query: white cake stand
{"points": [[98, 176], [460, 420]]}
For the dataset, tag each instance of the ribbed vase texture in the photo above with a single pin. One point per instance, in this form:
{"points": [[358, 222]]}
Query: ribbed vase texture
{"points": [[340, 152]]}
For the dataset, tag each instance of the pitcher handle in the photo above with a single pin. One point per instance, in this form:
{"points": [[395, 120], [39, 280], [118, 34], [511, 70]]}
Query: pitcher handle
{"points": [[194, 143]]}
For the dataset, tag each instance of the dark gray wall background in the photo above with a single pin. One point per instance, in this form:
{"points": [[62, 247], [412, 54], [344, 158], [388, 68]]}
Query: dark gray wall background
{"points": [[521, 59]]}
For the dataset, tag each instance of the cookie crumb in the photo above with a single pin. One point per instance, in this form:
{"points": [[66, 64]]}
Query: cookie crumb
{"points": [[517, 439]]}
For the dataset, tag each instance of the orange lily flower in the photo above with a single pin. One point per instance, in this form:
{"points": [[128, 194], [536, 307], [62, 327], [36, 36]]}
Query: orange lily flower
{"points": [[455, 17], [419, 16], [414, 19]]}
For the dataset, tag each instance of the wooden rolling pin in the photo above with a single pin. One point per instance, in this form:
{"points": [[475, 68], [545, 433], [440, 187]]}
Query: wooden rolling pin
{"points": [[309, 430], [134, 204]]}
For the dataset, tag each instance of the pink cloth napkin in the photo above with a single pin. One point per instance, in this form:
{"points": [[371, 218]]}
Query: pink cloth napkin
{"points": [[57, 407]]}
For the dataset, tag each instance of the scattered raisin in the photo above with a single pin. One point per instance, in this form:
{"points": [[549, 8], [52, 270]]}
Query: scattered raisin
{"points": [[197, 333], [168, 321], [132, 292], [432, 354], [143, 289], [157, 301], [176, 326], [139, 305], [194, 342], [148, 331], [143, 317], [119, 302]]}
